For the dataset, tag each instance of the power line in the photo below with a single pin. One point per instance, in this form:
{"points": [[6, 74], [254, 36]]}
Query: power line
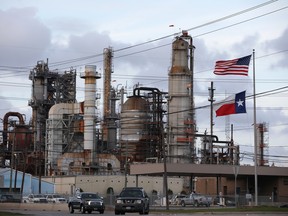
{"points": [[167, 36], [150, 77], [193, 28]]}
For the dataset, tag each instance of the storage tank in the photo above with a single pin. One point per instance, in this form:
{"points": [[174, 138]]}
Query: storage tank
{"points": [[21, 134], [23, 138], [134, 130]]}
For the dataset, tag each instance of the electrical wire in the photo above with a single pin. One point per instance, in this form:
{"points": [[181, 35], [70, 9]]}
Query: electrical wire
{"points": [[59, 63]]}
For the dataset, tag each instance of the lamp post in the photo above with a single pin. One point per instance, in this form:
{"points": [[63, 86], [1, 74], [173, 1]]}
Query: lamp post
{"points": [[236, 171], [126, 164]]}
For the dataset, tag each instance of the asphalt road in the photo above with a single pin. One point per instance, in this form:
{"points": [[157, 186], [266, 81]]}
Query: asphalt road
{"points": [[110, 213], [62, 210]]}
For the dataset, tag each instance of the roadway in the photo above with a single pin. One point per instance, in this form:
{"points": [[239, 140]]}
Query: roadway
{"points": [[37, 209]]}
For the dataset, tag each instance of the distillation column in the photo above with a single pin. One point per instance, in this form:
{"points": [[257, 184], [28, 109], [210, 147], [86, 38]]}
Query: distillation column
{"points": [[181, 124]]}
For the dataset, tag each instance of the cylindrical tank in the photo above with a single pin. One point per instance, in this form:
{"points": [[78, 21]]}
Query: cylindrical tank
{"points": [[23, 138], [5, 127], [134, 130]]}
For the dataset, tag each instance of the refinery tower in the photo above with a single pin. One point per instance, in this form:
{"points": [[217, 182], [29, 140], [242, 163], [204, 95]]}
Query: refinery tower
{"points": [[181, 115]]}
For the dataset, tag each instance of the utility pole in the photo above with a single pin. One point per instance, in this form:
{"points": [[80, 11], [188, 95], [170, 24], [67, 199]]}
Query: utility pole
{"points": [[126, 164], [211, 99], [255, 134], [165, 178]]}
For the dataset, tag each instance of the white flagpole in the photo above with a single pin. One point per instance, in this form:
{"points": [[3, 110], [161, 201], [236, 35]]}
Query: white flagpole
{"points": [[255, 133]]}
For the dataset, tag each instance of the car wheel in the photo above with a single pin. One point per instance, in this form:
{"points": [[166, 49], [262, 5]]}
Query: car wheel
{"points": [[182, 203], [89, 211], [71, 209], [142, 211], [82, 209], [117, 213], [147, 210], [196, 204], [101, 212]]}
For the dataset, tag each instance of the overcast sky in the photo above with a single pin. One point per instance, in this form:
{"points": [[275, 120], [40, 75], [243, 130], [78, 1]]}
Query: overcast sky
{"points": [[34, 30]]}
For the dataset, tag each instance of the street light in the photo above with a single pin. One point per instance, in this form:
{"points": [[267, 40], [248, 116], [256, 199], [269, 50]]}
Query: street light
{"points": [[126, 170], [236, 171]]}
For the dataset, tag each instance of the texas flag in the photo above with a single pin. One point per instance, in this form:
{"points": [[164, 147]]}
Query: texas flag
{"points": [[232, 105]]}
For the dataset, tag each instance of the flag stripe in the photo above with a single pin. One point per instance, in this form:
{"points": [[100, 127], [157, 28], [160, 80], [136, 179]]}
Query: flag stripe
{"points": [[233, 104], [226, 109], [238, 66]]}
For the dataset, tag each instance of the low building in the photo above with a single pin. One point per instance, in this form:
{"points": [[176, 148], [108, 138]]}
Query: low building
{"points": [[15, 180], [214, 179]]}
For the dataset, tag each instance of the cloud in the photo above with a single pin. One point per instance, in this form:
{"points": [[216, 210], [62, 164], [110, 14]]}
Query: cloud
{"points": [[23, 37], [277, 44], [5, 105], [280, 42]]}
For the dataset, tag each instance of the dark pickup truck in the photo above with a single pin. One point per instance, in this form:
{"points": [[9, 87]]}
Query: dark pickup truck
{"points": [[86, 201], [132, 199]]}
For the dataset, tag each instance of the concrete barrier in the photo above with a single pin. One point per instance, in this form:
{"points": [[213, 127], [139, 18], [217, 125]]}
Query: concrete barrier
{"points": [[35, 206], [40, 206]]}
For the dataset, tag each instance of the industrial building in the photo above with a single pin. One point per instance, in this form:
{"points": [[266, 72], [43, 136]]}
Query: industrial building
{"points": [[69, 138]]}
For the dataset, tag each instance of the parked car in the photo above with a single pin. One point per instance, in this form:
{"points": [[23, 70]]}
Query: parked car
{"points": [[226, 201], [132, 199], [86, 201], [55, 198], [176, 199], [196, 200], [37, 198], [25, 199], [8, 198]]}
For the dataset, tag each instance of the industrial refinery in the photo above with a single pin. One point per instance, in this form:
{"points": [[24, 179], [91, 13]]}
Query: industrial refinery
{"points": [[66, 137]]}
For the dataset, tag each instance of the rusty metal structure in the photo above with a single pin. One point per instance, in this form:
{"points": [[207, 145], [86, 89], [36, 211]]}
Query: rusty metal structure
{"points": [[71, 130], [262, 143], [142, 126], [66, 137], [48, 88], [109, 126], [17, 140], [221, 152]]}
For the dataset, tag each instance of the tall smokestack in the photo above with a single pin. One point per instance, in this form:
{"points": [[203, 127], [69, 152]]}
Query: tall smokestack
{"points": [[90, 75]]}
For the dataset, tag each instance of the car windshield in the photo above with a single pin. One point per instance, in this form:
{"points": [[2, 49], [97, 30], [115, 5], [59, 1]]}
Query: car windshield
{"points": [[131, 193], [90, 196]]}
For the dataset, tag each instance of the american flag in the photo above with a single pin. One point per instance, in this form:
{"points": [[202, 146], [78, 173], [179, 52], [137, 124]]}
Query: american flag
{"points": [[239, 66]]}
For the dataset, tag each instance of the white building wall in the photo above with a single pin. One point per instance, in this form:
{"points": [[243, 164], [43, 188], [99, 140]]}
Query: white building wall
{"points": [[100, 184]]}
